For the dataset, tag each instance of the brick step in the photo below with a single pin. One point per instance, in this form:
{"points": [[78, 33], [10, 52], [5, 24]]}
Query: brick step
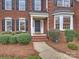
{"points": [[39, 38]]}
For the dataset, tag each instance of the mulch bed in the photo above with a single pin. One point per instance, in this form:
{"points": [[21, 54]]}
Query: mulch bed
{"points": [[62, 47], [17, 50]]}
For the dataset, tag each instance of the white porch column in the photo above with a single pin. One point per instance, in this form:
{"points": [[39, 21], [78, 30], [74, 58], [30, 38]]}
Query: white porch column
{"points": [[47, 24], [32, 30], [61, 22], [42, 26]]}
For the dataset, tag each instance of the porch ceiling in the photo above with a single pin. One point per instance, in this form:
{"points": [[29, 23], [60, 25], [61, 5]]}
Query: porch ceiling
{"points": [[39, 18]]}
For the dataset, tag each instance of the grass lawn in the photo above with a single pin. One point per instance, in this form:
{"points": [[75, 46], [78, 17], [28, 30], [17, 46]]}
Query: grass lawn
{"points": [[29, 57], [10, 58]]}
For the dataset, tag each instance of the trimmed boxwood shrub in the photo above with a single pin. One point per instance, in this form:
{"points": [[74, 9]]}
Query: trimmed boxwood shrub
{"points": [[6, 32], [4, 39], [69, 35], [13, 39], [72, 46], [24, 38], [34, 57]]}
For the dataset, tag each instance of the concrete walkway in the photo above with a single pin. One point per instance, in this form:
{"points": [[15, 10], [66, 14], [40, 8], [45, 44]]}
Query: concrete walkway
{"points": [[46, 52]]}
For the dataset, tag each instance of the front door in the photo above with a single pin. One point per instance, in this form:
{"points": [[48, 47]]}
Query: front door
{"points": [[37, 26]]}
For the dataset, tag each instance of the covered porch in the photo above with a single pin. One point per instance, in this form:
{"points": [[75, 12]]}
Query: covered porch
{"points": [[39, 24]]}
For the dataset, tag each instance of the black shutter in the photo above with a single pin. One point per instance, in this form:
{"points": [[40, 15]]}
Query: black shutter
{"points": [[12, 25], [55, 2], [3, 25], [26, 25], [17, 4], [12, 4], [3, 4], [33, 4], [26, 4], [71, 3], [17, 25]]}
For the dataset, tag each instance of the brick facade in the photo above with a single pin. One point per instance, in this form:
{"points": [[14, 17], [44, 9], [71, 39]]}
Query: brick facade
{"points": [[48, 23]]}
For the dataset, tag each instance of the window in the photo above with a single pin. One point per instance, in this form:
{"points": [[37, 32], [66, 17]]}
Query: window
{"points": [[8, 24], [57, 23], [22, 5], [37, 5], [59, 2], [22, 24], [63, 3], [8, 4], [66, 22], [63, 22]]}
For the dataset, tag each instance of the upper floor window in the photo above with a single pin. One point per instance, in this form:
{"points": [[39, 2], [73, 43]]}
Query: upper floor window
{"points": [[22, 5], [8, 4], [37, 5], [63, 3]]}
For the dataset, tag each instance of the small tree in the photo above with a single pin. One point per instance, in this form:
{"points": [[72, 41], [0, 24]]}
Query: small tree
{"points": [[54, 35]]}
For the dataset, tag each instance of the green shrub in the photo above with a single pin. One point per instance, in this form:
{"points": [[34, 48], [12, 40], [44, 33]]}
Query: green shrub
{"points": [[34, 57], [13, 39], [9, 57], [6, 32], [54, 35], [20, 32], [24, 38], [77, 35], [72, 46], [4, 39], [69, 35]]}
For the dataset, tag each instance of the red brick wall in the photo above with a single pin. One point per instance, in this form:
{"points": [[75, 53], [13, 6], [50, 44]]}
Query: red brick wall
{"points": [[16, 14], [76, 15]]}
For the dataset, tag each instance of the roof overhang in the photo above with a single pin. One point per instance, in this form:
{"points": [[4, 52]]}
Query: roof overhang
{"points": [[63, 13], [38, 14]]}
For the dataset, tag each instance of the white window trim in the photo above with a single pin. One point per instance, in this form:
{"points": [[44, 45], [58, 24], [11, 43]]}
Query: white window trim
{"points": [[20, 9], [6, 7], [10, 19], [61, 22], [21, 19]]}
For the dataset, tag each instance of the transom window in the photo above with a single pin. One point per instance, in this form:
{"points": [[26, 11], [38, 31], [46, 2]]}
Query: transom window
{"points": [[63, 22], [63, 3], [8, 24], [37, 5], [22, 5], [22, 24], [8, 4]]}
